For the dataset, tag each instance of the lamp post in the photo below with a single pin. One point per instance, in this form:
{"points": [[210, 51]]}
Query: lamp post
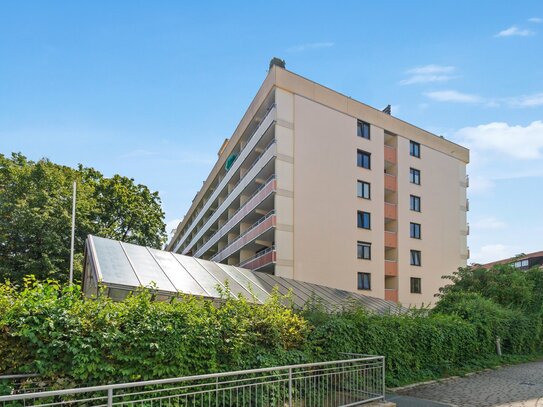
{"points": [[73, 236]]}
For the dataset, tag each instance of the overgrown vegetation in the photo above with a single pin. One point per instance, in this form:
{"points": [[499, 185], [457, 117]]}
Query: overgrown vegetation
{"points": [[35, 215], [53, 330]]}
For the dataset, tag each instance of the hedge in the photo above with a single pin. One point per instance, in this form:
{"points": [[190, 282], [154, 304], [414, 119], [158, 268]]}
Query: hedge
{"points": [[56, 332]]}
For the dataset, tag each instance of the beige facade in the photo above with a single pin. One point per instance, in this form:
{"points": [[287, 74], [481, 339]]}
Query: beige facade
{"points": [[283, 196]]}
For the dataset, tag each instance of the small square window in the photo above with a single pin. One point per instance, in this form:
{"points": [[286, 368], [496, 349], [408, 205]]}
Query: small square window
{"points": [[414, 176], [414, 230], [364, 220], [363, 129], [415, 285], [415, 203], [364, 250], [414, 149], [415, 258], [363, 190], [363, 159], [364, 281]]}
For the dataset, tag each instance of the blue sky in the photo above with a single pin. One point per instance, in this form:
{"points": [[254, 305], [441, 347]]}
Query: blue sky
{"points": [[150, 89]]}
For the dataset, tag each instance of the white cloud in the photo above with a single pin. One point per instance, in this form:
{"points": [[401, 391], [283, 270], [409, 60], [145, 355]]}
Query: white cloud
{"points": [[427, 74], [489, 223], [514, 31], [527, 100], [535, 20], [515, 141], [454, 96], [492, 252], [312, 45]]}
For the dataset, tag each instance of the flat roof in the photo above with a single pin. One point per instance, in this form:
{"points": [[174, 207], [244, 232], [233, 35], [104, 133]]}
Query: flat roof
{"points": [[127, 267]]}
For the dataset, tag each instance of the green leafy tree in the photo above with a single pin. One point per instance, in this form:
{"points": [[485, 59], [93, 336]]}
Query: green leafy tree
{"points": [[35, 215]]}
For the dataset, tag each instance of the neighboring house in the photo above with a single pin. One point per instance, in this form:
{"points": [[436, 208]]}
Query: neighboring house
{"points": [[523, 262], [318, 187]]}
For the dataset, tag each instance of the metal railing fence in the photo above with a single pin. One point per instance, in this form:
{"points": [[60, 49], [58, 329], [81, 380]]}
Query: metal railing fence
{"points": [[349, 382]]}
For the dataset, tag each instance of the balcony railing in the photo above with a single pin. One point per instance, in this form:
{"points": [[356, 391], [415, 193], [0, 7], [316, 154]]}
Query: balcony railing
{"points": [[391, 239], [391, 268], [263, 159], [390, 154], [260, 260], [256, 198], [256, 229], [391, 211], [391, 294], [391, 182], [259, 132]]}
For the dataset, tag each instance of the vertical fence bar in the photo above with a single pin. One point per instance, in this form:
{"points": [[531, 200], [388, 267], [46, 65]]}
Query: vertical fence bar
{"points": [[384, 377], [289, 387], [110, 397]]}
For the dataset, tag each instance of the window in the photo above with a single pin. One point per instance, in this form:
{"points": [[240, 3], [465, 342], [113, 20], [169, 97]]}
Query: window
{"points": [[364, 250], [363, 159], [414, 149], [415, 285], [364, 220], [414, 176], [415, 230], [521, 264], [363, 190], [364, 281], [363, 129], [415, 258], [415, 203]]}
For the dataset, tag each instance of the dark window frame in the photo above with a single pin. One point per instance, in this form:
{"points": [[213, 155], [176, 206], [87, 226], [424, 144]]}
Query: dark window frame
{"points": [[366, 157], [362, 282], [414, 203], [358, 182], [415, 230], [361, 220], [414, 149], [414, 176], [363, 254], [361, 127], [415, 258], [416, 285]]}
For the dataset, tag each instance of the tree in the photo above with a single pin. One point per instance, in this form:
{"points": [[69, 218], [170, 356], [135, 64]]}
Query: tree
{"points": [[35, 215]]}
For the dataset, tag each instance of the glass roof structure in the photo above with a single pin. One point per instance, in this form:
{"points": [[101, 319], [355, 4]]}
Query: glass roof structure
{"points": [[124, 267]]}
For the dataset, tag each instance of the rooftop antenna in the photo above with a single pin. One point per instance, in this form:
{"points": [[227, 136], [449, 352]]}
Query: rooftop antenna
{"points": [[388, 110], [277, 62]]}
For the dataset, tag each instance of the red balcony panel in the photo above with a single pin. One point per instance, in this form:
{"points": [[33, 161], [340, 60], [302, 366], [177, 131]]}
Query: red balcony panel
{"points": [[391, 211], [390, 154], [391, 294], [391, 239], [391, 182], [391, 268], [260, 261]]}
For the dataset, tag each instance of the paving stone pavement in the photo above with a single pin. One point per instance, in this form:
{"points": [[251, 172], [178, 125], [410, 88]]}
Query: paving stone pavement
{"points": [[514, 386]]}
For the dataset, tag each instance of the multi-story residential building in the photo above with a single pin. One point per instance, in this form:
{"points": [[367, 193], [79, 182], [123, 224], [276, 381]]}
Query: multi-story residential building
{"points": [[318, 187]]}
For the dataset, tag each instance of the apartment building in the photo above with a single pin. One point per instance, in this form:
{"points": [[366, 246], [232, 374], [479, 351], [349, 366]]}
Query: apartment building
{"points": [[318, 187]]}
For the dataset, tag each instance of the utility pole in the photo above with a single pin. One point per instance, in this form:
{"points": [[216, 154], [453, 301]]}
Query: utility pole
{"points": [[73, 237]]}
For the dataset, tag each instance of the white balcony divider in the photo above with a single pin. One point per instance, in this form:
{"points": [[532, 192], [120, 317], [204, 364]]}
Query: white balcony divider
{"points": [[260, 131], [258, 196], [251, 174], [256, 229]]}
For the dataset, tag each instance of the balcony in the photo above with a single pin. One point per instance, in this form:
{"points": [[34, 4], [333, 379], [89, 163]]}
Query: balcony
{"points": [[391, 268], [268, 121], [391, 211], [251, 174], [390, 154], [391, 239], [254, 201], [260, 260], [391, 182], [258, 228], [391, 294]]}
